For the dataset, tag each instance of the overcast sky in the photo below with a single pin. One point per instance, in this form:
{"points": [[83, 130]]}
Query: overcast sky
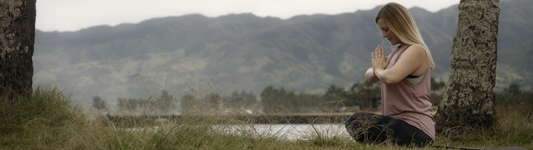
{"points": [[72, 15]]}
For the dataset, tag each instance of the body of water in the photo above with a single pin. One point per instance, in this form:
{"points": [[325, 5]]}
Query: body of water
{"points": [[287, 131], [282, 131]]}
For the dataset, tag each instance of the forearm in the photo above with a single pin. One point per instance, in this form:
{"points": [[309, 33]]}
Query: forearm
{"points": [[369, 76], [386, 76]]}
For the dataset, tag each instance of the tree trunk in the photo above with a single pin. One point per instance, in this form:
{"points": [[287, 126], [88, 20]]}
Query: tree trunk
{"points": [[468, 101], [17, 34]]}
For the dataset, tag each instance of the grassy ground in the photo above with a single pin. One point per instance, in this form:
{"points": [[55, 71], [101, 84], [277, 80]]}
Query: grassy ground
{"points": [[49, 121]]}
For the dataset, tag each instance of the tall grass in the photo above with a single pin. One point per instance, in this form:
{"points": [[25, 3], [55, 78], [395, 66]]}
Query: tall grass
{"points": [[48, 106], [511, 129], [50, 121]]}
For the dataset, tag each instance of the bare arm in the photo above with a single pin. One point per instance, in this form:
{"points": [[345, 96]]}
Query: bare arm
{"points": [[369, 76], [413, 61]]}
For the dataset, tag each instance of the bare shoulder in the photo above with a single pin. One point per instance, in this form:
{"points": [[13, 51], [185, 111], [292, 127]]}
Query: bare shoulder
{"points": [[416, 50]]}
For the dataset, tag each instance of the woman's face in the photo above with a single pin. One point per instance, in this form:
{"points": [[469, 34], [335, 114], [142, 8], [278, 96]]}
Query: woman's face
{"points": [[387, 33]]}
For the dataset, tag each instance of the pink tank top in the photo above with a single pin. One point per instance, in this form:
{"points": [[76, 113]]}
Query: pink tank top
{"points": [[409, 102]]}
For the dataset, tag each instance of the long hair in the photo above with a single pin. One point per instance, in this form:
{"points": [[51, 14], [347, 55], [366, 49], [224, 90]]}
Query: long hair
{"points": [[402, 24]]}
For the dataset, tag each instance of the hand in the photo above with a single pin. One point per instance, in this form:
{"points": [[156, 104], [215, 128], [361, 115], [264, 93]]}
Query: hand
{"points": [[379, 61]]}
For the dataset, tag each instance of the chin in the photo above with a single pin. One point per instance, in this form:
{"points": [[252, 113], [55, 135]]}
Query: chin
{"points": [[394, 42]]}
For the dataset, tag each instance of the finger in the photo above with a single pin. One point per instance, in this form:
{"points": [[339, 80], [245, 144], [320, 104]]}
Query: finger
{"points": [[381, 51], [376, 50], [378, 53]]}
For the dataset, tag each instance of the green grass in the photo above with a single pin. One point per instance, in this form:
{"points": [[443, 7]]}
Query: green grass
{"points": [[50, 121]]}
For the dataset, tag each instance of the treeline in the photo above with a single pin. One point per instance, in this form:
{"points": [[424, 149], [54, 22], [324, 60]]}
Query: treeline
{"points": [[160, 105], [215, 102], [163, 104], [514, 98], [336, 99], [361, 96], [280, 100]]}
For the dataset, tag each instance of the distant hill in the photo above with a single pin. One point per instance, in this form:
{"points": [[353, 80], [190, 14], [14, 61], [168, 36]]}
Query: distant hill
{"points": [[246, 52]]}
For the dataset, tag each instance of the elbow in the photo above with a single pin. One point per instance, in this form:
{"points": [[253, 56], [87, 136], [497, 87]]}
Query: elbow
{"points": [[369, 77], [370, 81]]}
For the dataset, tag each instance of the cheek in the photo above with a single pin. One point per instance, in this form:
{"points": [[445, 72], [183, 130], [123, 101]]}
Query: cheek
{"points": [[392, 35]]}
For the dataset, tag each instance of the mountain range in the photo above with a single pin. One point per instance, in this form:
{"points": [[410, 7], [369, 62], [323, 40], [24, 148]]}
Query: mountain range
{"points": [[194, 54]]}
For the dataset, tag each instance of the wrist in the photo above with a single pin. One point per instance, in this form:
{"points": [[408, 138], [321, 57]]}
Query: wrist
{"points": [[376, 72]]}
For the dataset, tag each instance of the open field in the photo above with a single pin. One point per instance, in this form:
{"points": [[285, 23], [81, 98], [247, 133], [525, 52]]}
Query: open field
{"points": [[50, 121]]}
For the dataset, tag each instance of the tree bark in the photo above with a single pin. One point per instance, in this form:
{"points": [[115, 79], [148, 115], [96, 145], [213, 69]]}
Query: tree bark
{"points": [[468, 101], [17, 34]]}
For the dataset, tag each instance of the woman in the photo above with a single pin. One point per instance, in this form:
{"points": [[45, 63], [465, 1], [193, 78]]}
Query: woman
{"points": [[405, 77]]}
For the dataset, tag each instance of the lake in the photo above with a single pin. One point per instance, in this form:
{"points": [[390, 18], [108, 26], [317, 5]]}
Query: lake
{"points": [[282, 131], [287, 131]]}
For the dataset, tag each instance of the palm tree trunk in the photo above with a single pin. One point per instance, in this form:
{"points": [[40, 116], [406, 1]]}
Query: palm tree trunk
{"points": [[17, 34], [468, 101]]}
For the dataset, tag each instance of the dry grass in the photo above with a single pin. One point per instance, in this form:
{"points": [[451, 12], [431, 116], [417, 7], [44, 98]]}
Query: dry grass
{"points": [[511, 129], [50, 121]]}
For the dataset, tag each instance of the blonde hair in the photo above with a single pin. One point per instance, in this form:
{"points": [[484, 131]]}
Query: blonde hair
{"points": [[402, 24]]}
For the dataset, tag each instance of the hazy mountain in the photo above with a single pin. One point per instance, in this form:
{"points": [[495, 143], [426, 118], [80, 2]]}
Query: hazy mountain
{"points": [[246, 52]]}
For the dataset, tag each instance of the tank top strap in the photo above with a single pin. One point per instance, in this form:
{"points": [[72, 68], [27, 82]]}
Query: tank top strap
{"points": [[396, 54]]}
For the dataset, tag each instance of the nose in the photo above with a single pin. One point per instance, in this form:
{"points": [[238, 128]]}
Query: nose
{"points": [[384, 34]]}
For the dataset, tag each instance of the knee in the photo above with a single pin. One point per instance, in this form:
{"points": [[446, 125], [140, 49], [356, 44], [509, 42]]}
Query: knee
{"points": [[352, 121]]}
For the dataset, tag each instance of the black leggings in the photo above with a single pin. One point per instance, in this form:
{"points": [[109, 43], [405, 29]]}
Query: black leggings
{"points": [[372, 128]]}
